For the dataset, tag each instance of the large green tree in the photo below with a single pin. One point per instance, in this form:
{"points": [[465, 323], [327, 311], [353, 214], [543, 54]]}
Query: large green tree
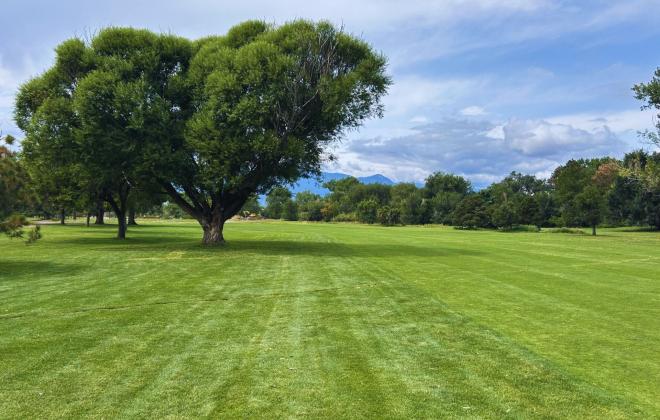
{"points": [[266, 102]]}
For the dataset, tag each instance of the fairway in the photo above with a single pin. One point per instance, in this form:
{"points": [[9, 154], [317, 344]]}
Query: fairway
{"points": [[329, 320]]}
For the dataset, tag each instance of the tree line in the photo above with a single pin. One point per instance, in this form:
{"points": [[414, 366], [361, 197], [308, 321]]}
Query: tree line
{"points": [[580, 193]]}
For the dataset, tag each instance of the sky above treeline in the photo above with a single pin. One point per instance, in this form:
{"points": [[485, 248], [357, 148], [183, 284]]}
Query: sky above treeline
{"points": [[481, 87]]}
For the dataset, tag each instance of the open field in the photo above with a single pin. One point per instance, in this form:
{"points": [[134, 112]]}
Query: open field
{"points": [[308, 320]]}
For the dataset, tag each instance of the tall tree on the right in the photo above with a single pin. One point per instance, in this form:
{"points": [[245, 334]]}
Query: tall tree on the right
{"points": [[648, 172]]}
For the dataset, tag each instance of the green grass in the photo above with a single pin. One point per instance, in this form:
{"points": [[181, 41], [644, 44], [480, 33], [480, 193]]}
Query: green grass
{"points": [[323, 320]]}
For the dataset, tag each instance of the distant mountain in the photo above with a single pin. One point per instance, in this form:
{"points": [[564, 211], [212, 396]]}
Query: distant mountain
{"points": [[315, 186]]}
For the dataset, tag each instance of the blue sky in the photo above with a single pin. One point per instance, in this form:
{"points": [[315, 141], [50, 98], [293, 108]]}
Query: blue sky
{"points": [[481, 87]]}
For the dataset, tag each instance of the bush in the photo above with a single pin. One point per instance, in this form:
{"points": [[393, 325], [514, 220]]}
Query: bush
{"points": [[389, 216], [311, 211], [367, 211], [345, 217]]}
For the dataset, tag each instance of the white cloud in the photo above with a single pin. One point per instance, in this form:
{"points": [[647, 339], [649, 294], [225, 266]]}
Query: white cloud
{"points": [[419, 119], [473, 111]]}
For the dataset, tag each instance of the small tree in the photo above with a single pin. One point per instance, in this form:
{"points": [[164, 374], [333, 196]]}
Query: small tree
{"points": [[591, 203]]}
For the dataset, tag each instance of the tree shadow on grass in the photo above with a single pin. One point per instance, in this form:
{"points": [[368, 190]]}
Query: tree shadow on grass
{"points": [[35, 270], [266, 247]]}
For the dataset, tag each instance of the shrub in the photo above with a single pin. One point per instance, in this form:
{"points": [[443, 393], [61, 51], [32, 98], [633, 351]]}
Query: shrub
{"points": [[345, 217], [389, 216]]}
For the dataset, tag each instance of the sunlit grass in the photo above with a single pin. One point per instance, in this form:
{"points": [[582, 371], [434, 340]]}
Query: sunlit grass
{"points": [[309, 320]]}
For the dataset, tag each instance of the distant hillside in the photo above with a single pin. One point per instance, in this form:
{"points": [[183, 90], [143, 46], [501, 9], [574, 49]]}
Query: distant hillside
{"points": [[311, 184]]}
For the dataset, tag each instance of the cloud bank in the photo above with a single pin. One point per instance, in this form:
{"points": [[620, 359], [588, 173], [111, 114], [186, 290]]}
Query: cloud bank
{"points": [[482, 150]]}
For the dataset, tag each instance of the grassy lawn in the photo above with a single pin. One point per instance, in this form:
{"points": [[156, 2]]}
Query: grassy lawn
{"points": [[309, 320]]}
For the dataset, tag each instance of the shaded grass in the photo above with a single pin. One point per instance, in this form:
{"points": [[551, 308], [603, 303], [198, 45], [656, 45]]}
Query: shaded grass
{"points": [[342, 320]]}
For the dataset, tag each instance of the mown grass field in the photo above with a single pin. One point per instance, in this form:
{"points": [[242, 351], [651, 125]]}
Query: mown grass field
{"points": [[323, 320]]}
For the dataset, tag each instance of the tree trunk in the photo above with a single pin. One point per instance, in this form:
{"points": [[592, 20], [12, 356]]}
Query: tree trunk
{"points": [[210, 215], [593, 230], [119, 207], [213, 231], [89, 215], [62, 217], [121, 228], [131, 216], [100, 213], [74, 214]]}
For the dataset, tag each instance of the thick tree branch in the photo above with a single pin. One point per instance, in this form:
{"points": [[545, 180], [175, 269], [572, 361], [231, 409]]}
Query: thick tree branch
{"points": [[195, 212]]}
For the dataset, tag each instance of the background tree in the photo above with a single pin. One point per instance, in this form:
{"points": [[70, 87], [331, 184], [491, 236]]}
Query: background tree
{"points": [[389, 216], [277, 201], [569, 180], [591, 205], [251, 206], [342, 194], [103, 103], [504, 215], [290, 210], [367, 211], [309, 206], [444, 191], [642, 172], [648, 174], [471, 213]]}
